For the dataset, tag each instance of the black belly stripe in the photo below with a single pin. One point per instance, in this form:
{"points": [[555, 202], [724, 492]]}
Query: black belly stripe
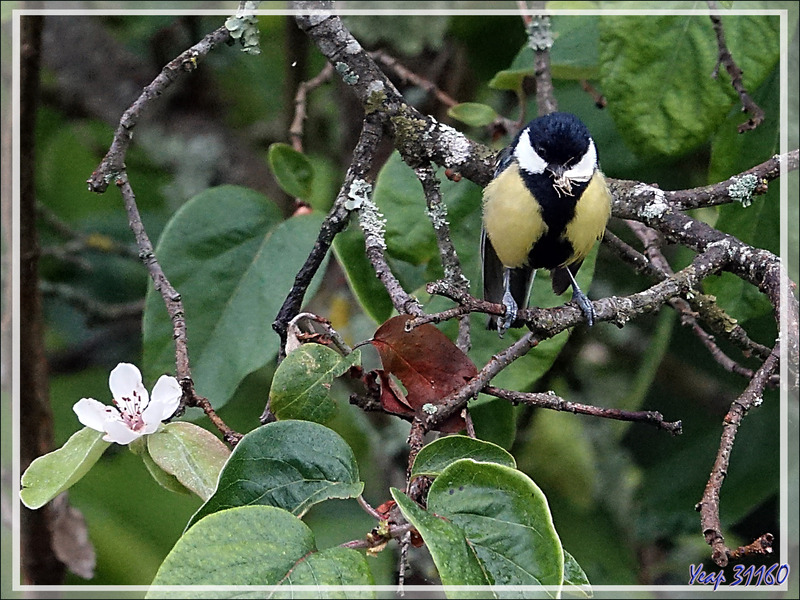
{"points": [[549, 252], [552, 249]]}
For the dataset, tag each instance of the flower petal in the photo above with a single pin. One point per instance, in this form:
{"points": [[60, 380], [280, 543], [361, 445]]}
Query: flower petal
{"points": [[125, 381], [93, 414], [119, 432], [166, 397]]}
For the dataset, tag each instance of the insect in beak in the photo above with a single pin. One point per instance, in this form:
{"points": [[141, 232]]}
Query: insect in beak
{"points": [[561, 183]]}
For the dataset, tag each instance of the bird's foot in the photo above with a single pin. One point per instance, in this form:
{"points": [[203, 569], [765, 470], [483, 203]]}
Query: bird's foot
{"points": [[505, 321], [584, 304]]}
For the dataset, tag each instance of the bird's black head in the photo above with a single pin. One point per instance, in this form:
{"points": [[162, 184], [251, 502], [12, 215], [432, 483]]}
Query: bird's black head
{"points": [[556, 142]]}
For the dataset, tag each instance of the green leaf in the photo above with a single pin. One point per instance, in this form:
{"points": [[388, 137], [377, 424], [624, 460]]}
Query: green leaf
{"points": [[398, 194], [575, 53], [505, 518], [289, 464], [254, 545], [510, 79], [439, 454], [495, 420], [575, 578], [557, 443], [454, 557], [164, 479], [472, 113], [302, 383], [292, 170], [233, 260], [51, 474], [192, 454], [650, 99], [350, 251], [521, 67], [331, 567]]}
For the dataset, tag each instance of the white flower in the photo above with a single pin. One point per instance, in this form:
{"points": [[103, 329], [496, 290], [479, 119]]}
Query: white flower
{"points": [[134, 414]]}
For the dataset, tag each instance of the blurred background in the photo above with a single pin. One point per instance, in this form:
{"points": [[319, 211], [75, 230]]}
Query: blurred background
{"points": [[622, 495]]}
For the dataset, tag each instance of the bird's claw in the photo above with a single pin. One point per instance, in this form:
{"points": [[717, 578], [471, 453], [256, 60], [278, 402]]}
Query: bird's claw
{"points": [[505, 320], [585, 305]]}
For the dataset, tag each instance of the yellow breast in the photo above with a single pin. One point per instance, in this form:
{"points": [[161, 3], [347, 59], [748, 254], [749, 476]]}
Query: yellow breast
{"points": [[591, 215], [513, 219]]}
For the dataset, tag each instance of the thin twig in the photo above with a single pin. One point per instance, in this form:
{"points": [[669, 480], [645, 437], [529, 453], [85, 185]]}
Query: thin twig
{"points": [[112, 168], [453, 273], [540, 39], [171, 297], [172, 300], [335, 222], [726, 59], [301, 103], [371, 222], [415, 442], [599, 99], [229, 435], [408, 76], [405, 542], [709, 505], [738, 188], [79, 241], [369, 509], [114, 161], [553, 402]]}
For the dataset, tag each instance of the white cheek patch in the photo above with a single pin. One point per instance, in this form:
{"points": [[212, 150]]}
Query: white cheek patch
{"points": [[584, 170], [527, 157]]}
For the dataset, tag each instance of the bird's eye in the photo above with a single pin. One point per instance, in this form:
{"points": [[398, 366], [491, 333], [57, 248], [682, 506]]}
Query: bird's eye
{"points": [[529, 159]]}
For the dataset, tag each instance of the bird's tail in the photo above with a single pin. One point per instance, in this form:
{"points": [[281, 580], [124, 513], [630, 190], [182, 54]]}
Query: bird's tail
{"points": [[561, 279], [520, 281]]}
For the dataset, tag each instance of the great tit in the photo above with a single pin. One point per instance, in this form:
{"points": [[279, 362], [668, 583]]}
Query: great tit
{"points": [[546, 206]]}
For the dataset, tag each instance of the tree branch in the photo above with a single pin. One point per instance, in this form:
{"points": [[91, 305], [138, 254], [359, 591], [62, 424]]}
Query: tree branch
{"points": [[545, 323], [337, 219], [112, 167], [419, 138], [739, 188], [114, 162], [39, 562], [453, 274], [553, 402], [709, 505], [759, 267], [725, 58], [301, 102], [697, 304]]}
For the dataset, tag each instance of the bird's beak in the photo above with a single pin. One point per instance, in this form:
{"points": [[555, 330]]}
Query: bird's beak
{"points": [[561, 182]]}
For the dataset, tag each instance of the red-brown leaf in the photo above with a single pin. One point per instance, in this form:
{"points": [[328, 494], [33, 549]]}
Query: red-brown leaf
{"points": [[428, 364]]}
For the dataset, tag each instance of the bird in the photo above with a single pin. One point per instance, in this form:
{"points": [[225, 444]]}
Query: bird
{"points": [[546, 206]]}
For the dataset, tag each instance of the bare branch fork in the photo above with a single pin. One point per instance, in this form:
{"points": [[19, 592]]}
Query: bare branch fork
{"points": [[709, 505], [336, 221], [726, 59], [694, 305], [112, 168]]}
